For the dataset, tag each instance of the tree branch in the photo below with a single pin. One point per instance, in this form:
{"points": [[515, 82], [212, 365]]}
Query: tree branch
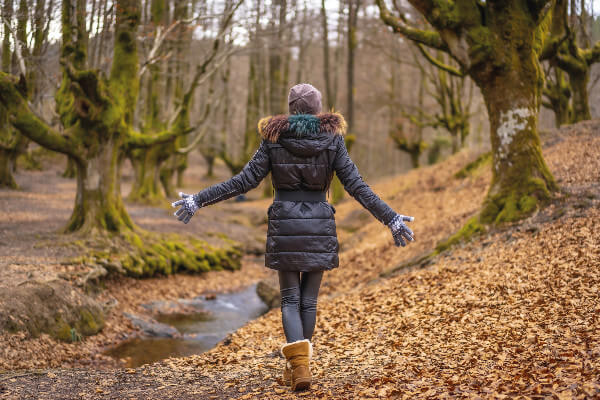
{"points": [[567, 62], [137, 139], [592, 55], [539, 8], [428, 38], [198, 138], [551, 47], [438, 63], [160, 38], [18, 50], [24, 119]]}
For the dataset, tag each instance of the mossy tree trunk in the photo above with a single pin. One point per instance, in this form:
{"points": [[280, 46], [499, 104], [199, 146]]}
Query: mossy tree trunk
{"points": [[579, 77], [570, 50], [498, 44], [557, 93], [98, 204], [7, 179], [97, 115], [146, 161], [520, 177], [7, 133], [175, 164], [70, 170], [12, 143]]}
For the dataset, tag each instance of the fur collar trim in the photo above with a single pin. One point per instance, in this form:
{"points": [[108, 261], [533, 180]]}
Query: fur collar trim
{"points": [[271, 128]]}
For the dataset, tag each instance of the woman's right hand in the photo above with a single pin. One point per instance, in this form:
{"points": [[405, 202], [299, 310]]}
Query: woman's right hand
{"points": [[401, 233], [188, 207]]}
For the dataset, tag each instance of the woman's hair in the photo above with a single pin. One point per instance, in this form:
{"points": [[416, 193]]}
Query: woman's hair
{"points": [[304, 99]]}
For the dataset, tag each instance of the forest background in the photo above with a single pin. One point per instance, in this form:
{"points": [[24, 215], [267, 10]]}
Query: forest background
{"points": [[392, 97]]}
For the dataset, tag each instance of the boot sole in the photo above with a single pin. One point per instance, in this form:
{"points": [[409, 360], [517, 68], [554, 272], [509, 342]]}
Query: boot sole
{"points": [[301, 384]]}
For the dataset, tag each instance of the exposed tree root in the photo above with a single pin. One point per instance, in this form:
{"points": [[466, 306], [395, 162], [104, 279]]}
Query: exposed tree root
{"points": [[144, 254]]}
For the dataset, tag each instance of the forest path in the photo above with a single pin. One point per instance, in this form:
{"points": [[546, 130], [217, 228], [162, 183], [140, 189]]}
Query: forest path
{"points": [[514, 312], [31, 250]]}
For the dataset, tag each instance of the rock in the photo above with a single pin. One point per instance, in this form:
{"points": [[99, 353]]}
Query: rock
{"points": [[54, 307], [268, 290], [181, 309], [151, 327]]}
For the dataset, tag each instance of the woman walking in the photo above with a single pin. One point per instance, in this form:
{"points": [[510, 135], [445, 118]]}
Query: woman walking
{"points": [[302, 151]]}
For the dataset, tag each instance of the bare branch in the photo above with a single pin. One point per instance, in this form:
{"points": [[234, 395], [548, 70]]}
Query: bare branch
{"points": [[158, 41], [18, 44]]}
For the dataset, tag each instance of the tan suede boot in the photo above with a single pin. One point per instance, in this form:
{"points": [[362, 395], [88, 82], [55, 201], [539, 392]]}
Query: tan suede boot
{"points": [[287, 374], [298, 355]]}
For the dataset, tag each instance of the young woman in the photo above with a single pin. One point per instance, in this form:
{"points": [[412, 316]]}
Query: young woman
{"points": [[302, 151]]}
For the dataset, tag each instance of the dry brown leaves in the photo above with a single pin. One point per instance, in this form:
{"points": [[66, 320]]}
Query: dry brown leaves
{"points": [[514, 313]]}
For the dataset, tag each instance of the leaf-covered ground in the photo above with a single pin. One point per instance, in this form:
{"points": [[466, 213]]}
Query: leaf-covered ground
{"points": [[514, 312]]}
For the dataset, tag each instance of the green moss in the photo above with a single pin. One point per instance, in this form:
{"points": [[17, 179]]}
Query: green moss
{"points": [[482, 44], [515, 202], [62, 331], [470, 168], [471, 228], [89, 323], [527, 203], [148, 254]]}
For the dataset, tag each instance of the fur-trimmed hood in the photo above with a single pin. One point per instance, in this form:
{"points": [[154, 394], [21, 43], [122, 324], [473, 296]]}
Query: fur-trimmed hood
{"points": [[303, 134]]}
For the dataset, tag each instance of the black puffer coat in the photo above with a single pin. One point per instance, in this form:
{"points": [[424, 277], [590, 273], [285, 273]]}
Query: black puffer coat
{"points": [[302, 152]]}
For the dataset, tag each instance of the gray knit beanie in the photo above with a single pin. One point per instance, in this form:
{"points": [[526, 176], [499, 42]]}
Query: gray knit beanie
{"points": [[304, 99]]}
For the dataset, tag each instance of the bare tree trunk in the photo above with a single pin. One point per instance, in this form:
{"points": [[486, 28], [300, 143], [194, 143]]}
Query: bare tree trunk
{"points": [[339, 52], [353, 8], [326, 67]]}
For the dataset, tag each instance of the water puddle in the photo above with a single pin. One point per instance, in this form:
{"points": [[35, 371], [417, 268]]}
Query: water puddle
{"points": [[199, 333]]}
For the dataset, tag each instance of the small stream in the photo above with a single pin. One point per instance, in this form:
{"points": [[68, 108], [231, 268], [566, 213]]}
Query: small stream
{"points": [[198, 332]]}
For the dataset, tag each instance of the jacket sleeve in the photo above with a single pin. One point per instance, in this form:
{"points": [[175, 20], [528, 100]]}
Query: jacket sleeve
{"points": [[347, 172], [249, 177]]}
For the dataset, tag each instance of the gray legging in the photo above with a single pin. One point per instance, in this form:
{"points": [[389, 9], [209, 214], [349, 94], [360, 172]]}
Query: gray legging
{"points": [[299, 303]]}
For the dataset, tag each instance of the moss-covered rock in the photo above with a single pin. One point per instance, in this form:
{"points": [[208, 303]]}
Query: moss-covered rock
{"points": [[54, 307], [268, 291], [144, 254]]}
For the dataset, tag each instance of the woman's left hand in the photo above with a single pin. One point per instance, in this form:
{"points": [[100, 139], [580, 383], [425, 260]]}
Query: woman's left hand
{"points": [[402, 233], [188, 207]]}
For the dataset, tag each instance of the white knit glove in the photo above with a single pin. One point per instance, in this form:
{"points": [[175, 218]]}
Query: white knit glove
{"points": [[188, 207], [400, 231]]}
